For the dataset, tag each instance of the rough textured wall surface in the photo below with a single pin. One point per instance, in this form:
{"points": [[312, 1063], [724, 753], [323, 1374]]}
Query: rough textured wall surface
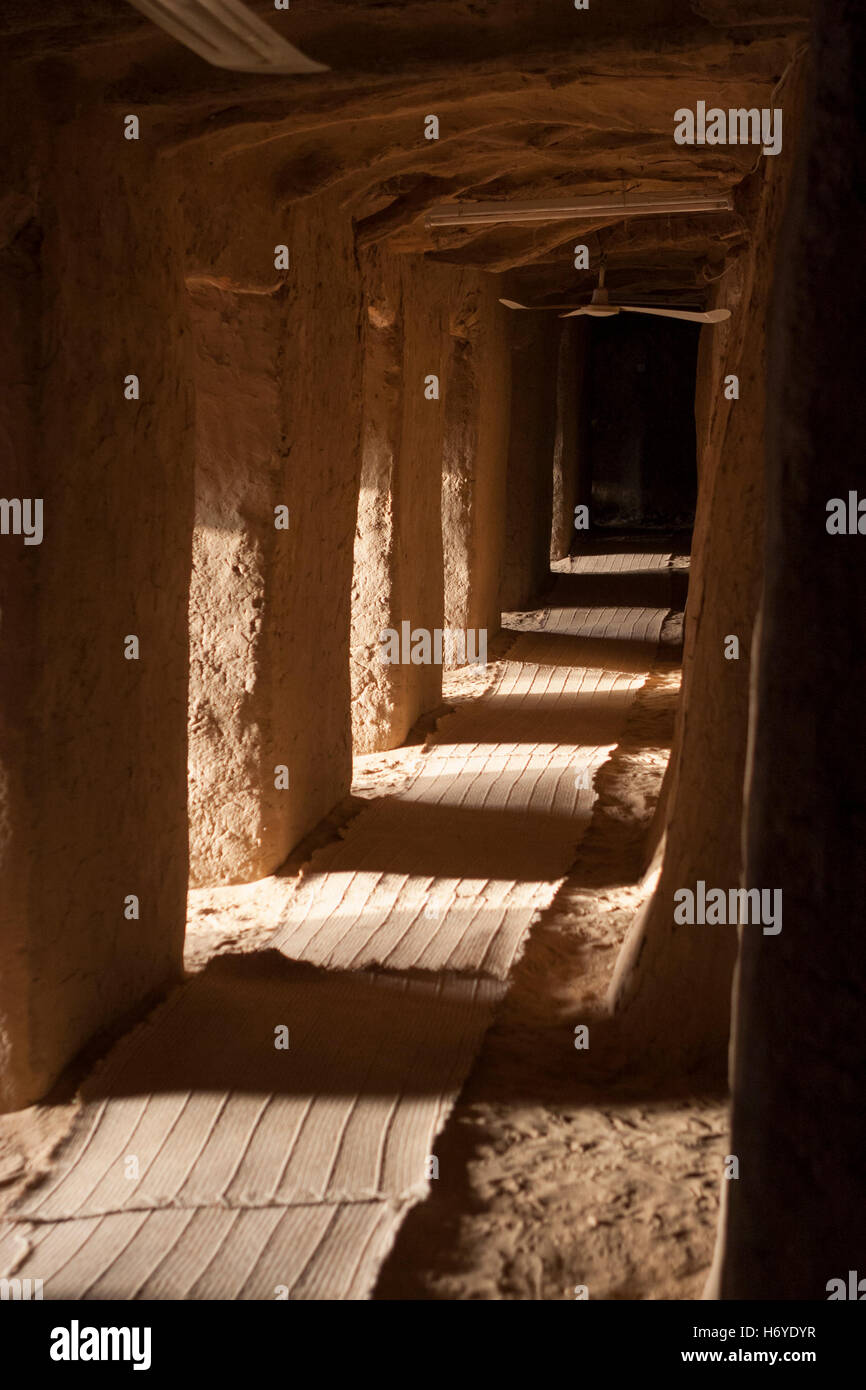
{"points": [[529, 502], [237, 724], [796, 1217], [94, 750], [475, 453], [278, 408], [398, 539], [675, 980], [377, 688], [21, 289]]}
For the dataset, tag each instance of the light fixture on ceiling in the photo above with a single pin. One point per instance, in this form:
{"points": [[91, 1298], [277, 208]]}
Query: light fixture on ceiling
{"points": [[596, 205], [227, 34]]}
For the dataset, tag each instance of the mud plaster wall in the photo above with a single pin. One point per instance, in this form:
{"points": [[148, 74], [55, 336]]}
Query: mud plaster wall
{"points": [[398, 539], [239, 579], [278, 409], [796, 1217], [475, 452], [93, 746], [675, 980], [529, 504]]}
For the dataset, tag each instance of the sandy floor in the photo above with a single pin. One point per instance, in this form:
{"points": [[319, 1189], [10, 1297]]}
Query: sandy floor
{"points": [[550, 1184]]}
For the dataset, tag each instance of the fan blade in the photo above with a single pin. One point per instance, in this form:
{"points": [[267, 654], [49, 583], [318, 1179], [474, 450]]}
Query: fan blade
{"points": [[597, 311], [513, 304], [711, 315]]}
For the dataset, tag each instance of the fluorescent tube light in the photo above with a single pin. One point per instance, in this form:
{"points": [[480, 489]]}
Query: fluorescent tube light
{"points": [[227, 34], [596, 205]]}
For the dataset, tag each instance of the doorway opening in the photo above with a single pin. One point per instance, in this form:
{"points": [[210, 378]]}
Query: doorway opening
{"points": [[638, 457]]}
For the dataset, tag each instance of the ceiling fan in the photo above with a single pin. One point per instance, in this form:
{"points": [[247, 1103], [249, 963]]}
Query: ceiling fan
{"points": [[600, 307]]}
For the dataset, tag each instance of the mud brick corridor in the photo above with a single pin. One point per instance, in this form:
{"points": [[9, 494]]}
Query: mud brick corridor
{"points": [[432, 618]]}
